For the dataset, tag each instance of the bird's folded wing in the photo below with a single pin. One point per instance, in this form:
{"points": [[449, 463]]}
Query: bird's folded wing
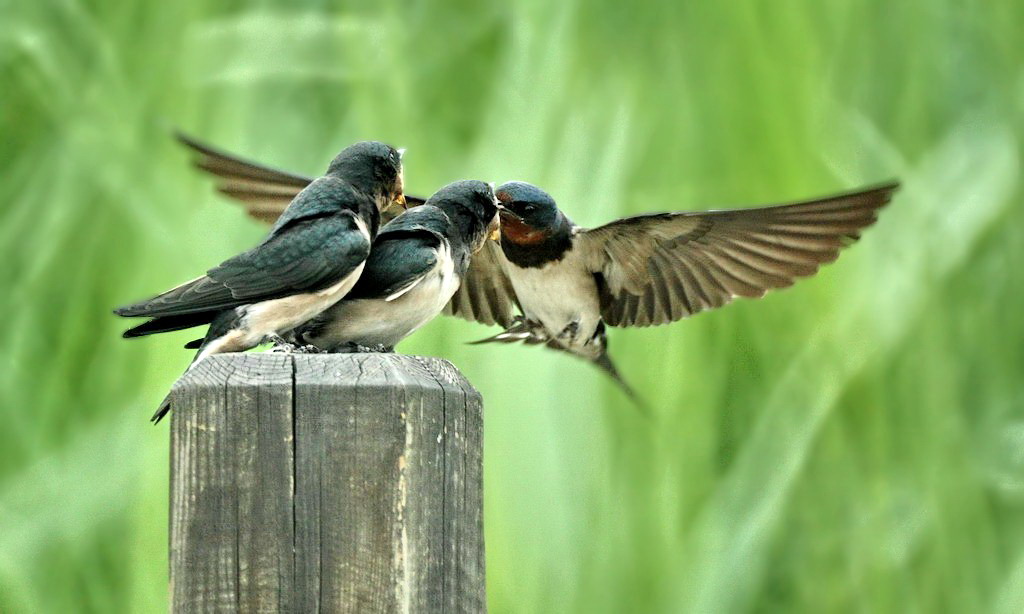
{"points": [[306, 257], [404, 251], [486, 294], [397, 264], [658, 268], [264, 191]]}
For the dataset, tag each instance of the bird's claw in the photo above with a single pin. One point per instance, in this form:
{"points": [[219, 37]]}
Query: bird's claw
{"points": [[283, 346], [570, 330], [355, 348]]}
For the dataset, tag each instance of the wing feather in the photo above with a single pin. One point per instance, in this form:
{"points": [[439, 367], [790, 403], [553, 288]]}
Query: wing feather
{"points": [[264, 191], [307, 257], [486, 293], [653, 269]]}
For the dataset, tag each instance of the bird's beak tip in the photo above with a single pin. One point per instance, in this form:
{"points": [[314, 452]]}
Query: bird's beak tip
{"points": [[401, 201], [506, 213]]}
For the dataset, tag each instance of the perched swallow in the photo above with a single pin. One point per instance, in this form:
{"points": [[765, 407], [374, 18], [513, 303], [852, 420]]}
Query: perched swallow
{"points": [[312, 258], [264, 191], [415, 266], [570, 282]]}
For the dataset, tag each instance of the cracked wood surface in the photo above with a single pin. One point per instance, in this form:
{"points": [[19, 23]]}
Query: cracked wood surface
{"points": [[326, 483]]}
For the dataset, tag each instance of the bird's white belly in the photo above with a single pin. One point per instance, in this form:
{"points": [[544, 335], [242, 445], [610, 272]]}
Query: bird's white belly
{"points": [[557, 295], [281, 315], [371, 322]]}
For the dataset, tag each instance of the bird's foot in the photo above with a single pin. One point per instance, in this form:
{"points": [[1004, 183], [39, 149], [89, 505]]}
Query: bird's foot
{"points": [[521, 323], [281, 345], [570, 330], [284, 346], [355, 348]]}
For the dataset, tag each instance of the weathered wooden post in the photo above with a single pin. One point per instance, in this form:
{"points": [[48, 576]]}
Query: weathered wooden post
{"points": [[326, 483]]}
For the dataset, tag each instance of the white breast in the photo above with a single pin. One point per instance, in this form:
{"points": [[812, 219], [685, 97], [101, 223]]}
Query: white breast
{"points": [[387, 321], [558, 294], [280, 316]]}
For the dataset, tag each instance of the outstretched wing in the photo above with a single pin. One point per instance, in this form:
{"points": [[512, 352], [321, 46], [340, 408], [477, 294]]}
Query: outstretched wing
{"points": [[264, 191], [658, 268], [486, 294]]}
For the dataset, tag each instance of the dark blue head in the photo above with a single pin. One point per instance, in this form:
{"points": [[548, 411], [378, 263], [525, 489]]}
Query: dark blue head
{"points": [[533, 230], [531, 205], [471, 206], [373, 168]]}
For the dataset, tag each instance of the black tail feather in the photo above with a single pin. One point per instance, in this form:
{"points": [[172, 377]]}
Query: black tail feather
{"points": [[605, 364], [167, 324], [165, 406], [522, 331], [220, 324]]}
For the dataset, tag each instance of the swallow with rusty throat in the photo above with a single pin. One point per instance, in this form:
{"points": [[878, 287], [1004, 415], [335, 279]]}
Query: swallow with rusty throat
{"points": [[572, 282], [311, 259]]}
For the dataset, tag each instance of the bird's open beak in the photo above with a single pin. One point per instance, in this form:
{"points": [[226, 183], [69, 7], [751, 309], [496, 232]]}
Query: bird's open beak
{"points": [[400, 199]]}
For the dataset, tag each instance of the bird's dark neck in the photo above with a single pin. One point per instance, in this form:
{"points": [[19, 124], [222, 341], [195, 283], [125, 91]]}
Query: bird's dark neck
{"points": [[537, 248], [464, 226], [369, 212]]}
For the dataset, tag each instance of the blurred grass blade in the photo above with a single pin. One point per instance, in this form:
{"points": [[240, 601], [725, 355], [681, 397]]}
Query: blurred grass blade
{"points": [[728, 546]]}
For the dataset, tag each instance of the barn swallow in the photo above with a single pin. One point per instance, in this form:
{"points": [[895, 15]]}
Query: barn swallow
{"points": [[416, 264], [312, 258], [570, 283]]}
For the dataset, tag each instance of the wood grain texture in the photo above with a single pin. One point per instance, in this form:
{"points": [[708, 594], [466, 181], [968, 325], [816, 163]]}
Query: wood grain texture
{"points": [[326, 483]]}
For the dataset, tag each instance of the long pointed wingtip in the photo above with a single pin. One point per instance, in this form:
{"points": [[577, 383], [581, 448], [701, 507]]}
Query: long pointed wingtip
{"points": [[187, 140], [126, 312]]}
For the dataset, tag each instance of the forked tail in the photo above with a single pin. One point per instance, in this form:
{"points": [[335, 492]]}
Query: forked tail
{"points": [[605, 364], [522, 331]]}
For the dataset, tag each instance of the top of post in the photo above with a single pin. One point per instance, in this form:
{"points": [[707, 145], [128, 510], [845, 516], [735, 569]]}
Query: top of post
{"points": [[369, 370]]}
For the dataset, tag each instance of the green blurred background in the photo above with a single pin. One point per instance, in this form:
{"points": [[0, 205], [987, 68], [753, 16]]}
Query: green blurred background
{"points": [[853, 444]]}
